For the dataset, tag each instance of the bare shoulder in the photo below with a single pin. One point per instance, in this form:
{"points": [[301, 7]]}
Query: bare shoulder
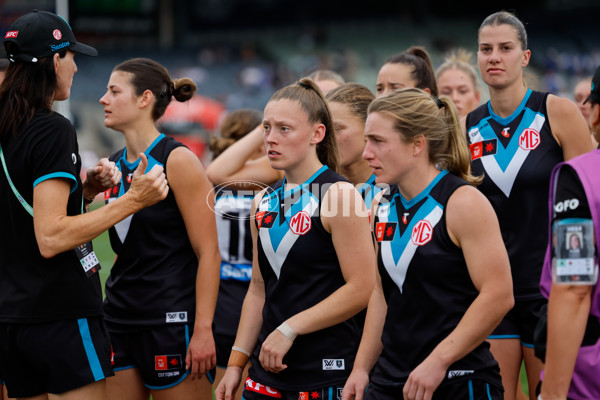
{"points": [[468, 209], [182, 158], [560, 106]]}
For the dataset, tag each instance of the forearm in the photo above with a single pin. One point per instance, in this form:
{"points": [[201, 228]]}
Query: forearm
{"points": [[233, 159], [370, 343], [568, 311], [250, 321], [64, 233], [207, 289]]}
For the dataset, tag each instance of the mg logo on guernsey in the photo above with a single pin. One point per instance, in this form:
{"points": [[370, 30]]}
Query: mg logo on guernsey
{"points": [[300, 223], [529, 139], [422, 232]]}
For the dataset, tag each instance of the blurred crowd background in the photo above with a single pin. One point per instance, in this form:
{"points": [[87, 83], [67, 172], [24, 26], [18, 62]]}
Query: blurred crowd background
{"points": [[240, 51]]}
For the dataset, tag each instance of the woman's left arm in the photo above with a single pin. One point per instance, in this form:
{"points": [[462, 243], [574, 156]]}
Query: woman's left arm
{"points": [[568, 126], [472, 226], [192, 191]]}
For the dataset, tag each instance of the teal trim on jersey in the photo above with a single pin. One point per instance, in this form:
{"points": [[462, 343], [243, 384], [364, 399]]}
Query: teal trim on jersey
{"points": [[369, 182], [330, 392], [177, 382], [132, 166], [504, 337], [487, 389], [277, 232], [471, 395], [371, 189], [57, 175], [90, 350], [529, 345], [508, 120], [123, 368], [504, 155], [428, 206], [293, 190], [409, 203]]}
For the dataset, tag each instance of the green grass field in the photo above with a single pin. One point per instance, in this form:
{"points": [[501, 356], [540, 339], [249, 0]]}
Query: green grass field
{"points": [[103, 251]]}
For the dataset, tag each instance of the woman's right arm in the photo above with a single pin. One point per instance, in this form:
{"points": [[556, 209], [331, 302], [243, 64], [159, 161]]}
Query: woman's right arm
{"points": [[250, 319], [57, 232], [235, 163]]}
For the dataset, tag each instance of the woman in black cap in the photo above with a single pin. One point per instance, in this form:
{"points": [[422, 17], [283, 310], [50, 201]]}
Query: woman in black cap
{"points": [[52, 333]]}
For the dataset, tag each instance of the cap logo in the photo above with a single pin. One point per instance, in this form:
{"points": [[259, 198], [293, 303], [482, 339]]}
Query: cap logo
{"points": [[60, 46], [57, 34], [11, 34]]}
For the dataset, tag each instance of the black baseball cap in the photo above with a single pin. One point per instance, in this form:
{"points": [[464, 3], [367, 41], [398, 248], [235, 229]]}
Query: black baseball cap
{"points": [[594, 96], [40, 34]]}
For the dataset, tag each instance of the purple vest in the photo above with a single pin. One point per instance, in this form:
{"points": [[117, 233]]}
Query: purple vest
{"points": [[585, 383]]}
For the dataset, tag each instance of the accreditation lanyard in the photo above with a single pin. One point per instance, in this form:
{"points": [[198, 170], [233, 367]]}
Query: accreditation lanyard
{"points": [[85, 253]]}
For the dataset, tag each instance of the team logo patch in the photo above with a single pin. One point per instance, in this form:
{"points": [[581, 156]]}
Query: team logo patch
{"points": [[57, 34], [333, 364], [174, 317], [422, 232], [266, 219], [11, 34], [262, 389], [384, 231], [167, 362], [483, 148], [74, 158], [300, 223], [505, 132], [529, 139], [129, 177]]}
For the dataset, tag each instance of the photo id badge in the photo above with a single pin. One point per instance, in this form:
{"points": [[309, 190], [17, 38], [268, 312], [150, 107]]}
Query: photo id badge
{"points": [[574, 258], [87, 258]]}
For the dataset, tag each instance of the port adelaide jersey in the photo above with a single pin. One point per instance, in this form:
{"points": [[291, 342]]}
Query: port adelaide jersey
{"points": [[425, 280], [153, 279], [516, 155], [300, 268]]}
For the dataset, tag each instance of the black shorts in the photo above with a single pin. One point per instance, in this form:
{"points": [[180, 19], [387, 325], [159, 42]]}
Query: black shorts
{"points": [[472, 389], [257, 391], [53, 357], [223, 344], [158, 352], [520, 322]]}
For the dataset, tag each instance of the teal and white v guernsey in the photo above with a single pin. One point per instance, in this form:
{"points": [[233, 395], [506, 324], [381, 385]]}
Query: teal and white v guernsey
{"points": [[516, 155], [426, 284], [300, 268]]}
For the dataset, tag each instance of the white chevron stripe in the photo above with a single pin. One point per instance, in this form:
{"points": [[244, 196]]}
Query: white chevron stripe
{"points": [[398, 271], [277, 258], [505, 179]]}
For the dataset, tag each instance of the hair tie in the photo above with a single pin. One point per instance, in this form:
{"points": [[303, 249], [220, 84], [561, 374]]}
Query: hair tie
{"points": [[167, 90], [439, 102]]}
